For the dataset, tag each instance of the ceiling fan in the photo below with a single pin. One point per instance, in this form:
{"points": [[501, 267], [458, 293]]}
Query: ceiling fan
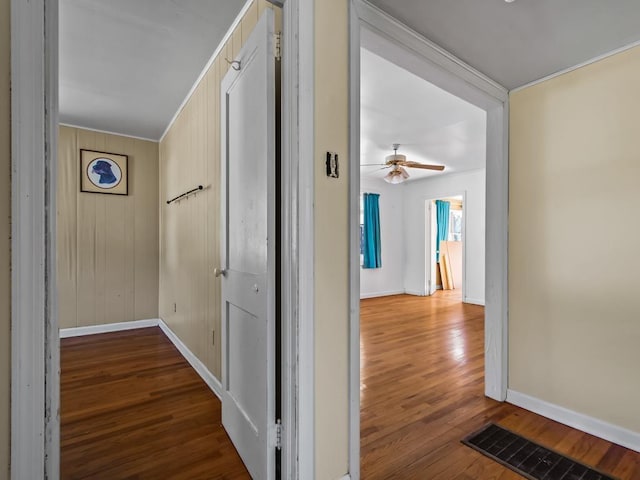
{"points": [[397, 162]]}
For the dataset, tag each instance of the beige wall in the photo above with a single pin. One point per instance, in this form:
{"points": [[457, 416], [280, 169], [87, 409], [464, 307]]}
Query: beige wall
{"points": [[331, 240], [5, 227], [574, 326], [107, 244], [189, 229]]}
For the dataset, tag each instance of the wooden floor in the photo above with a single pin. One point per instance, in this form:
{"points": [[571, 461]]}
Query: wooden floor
{"points": [[133, 408], [422, 391]]}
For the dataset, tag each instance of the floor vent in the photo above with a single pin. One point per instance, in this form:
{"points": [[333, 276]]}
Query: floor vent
{"points": [[527, 458]]}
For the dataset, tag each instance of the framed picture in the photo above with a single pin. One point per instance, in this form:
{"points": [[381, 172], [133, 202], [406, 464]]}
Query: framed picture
{"points": [[102, 172]]}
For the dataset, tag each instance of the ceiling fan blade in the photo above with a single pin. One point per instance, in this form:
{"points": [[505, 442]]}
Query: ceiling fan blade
{"points": [[422, 165], [372, 164]]}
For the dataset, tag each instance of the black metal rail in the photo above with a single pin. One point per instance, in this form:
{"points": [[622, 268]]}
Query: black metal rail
{"points": [[198, 188]]}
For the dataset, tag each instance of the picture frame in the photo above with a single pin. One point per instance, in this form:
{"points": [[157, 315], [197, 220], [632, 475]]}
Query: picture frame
{"points": [[103, 172]]}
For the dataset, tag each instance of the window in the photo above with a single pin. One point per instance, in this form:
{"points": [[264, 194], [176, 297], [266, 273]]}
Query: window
{"points": [[370, 245], [455, 225]]}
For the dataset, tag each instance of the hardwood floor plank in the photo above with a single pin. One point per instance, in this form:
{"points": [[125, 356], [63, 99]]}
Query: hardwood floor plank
{"points": [[132, 407], [422, 391]]}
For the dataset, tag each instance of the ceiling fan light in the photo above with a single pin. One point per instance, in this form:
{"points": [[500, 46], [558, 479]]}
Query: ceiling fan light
{"points": [[397, 175], [394, 179]]}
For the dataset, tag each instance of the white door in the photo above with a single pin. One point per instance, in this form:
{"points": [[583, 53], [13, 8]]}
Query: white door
{"points": [[248, 251]]}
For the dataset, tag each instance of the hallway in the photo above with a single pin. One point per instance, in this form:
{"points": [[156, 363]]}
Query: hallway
{"points": [[132, 407], [422, 373]]}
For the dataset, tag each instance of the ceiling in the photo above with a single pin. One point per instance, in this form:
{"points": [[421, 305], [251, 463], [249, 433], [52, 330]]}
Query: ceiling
{"points": [[126, 66], [431, 125], [517, 43]]}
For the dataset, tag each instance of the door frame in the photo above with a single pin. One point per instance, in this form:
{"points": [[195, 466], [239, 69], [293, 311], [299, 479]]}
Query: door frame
{"points": [[35, 371], [370, 26], [35, 379], [429, 214]]}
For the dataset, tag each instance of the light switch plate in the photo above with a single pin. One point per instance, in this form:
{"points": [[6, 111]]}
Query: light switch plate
{"points": [[333, 168]]}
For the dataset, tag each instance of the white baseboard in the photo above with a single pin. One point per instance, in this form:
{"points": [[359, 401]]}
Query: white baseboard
{"points": [[381, 294], [346, 477], [212, 382], [599, 428], [474, 301], [108, 327], [415, 292]]}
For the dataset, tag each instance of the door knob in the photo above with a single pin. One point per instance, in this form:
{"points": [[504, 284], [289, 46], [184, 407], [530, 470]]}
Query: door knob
{"points": [[220, 271]]}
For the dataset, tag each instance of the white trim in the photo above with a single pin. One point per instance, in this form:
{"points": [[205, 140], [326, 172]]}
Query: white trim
{"points": [[417, 293], [288, 240], [579, 65], [354, 241], [108, 328], [30, 314], [204, 71], [378, 31], [580, 421], [107, 132], [382, 23], [496, 246], [306, 242], [473, 301], [346, 477], [382, 294], [52, 340], [212, 382]]}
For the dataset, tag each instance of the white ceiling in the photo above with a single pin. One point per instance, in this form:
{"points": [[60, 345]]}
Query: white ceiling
{"points": [[431, 125], [127, 65], [517, 43]]}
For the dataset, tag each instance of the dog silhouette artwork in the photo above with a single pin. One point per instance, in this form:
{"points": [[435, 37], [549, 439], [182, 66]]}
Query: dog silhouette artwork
{"points": [[103, 168], [104, 173]]}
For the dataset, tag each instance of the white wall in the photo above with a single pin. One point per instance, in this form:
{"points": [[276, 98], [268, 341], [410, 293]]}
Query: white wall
{"points": [[472, 186], [389, 279]]}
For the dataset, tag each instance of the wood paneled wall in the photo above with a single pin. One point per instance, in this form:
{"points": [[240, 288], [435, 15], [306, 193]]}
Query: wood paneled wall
{"points": [[189, 229], [5, 236], [107, 244]]}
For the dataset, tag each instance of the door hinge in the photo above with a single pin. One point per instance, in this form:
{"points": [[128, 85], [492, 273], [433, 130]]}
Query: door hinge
{"points": [[279, 434], [278, 46]]}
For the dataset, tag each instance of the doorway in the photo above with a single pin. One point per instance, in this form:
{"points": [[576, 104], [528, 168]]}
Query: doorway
{"points": [[415, 331], [375, 31], [446, 245], [35, 438]]}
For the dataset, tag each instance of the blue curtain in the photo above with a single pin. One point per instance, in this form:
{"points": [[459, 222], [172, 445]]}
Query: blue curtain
{"points": [[372, 255], [442, 217]]}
